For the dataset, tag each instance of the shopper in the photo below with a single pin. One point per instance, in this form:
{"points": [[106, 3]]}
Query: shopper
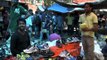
{"points": [[69, 23], [60, 23], [90, 21], [20, 39]]}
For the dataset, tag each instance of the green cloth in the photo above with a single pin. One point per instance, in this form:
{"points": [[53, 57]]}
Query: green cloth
{"points": [[15, 14], [69, 20]]}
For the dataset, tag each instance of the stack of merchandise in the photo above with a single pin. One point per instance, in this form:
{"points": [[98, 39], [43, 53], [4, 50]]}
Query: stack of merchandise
{"points": [[54, 48]]}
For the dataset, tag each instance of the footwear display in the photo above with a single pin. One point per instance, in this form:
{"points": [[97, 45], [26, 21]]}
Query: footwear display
{"points": [[42, 48]]}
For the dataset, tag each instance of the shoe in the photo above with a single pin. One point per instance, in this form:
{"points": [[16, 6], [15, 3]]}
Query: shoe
{"points": [[59, 44], [31, 50], [64, 53], [69, 40], [44, 46], [75, 39]]}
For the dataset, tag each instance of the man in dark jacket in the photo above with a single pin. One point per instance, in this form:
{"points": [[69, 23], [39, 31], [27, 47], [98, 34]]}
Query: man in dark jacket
{"points": [[20, 39]]}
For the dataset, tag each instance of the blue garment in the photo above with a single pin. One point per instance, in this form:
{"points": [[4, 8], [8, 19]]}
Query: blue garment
{"points": [[60, 22], [29, 21]]}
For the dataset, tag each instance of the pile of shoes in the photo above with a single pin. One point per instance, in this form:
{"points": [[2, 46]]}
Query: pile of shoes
{"points": [[42, 50]]}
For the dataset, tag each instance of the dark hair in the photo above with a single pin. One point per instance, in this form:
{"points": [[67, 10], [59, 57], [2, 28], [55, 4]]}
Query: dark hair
{"points": [[30, 10], [90, 4], [21, 19]]}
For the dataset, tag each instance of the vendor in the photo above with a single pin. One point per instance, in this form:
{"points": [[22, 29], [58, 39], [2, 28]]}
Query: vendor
{"points": [[20, 39]]}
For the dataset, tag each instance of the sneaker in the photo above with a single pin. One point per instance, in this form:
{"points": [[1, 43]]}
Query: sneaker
{"points": [[64, 53], [59, 44], [31, 50], [75, 39], [44, 46], [68, 40]]}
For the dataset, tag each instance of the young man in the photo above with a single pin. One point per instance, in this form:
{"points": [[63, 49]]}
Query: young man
{"points": [[91, 26], [20, 39]]}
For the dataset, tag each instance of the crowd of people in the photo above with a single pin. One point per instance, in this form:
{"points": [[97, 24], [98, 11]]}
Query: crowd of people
{"points": [[22, 24], [19, 21]]}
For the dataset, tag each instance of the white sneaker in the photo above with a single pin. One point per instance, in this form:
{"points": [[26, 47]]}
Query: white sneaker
{"points": [[31, 50]]}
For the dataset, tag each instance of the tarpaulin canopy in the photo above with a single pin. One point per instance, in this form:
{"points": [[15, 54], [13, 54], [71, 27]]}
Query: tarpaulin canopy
{"points": [[84, 1], [59, 8]]}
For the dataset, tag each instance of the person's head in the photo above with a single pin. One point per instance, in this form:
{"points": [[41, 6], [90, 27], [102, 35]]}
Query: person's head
{"points": [[36, 12], [30, 11], [88, 7], [21, 24]]}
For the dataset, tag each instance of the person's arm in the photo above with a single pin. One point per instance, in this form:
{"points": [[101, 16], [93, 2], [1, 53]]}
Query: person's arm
{"points": [[29, 44], [95, 27], [13, 45]]}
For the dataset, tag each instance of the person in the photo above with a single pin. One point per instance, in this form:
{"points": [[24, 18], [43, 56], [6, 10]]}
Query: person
{"points": [[16, 11], [103, 21], [88, 26], [29, 19], [69, 23], [36, 24], [60, 23], [104, 50], [20, 39]]}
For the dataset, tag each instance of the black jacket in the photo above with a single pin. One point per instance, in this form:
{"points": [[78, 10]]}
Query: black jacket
{"points": [[19, 42]]}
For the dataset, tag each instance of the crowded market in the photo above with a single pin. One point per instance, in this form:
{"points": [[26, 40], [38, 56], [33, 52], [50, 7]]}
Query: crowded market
{"points": [[53, 30]]}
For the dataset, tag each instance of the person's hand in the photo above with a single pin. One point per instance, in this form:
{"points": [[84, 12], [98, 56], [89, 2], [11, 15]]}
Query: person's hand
{"points": [[86, 29]]}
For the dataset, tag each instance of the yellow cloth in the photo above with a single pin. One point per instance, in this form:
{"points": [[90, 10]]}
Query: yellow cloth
{"points": [[89, 20]]}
